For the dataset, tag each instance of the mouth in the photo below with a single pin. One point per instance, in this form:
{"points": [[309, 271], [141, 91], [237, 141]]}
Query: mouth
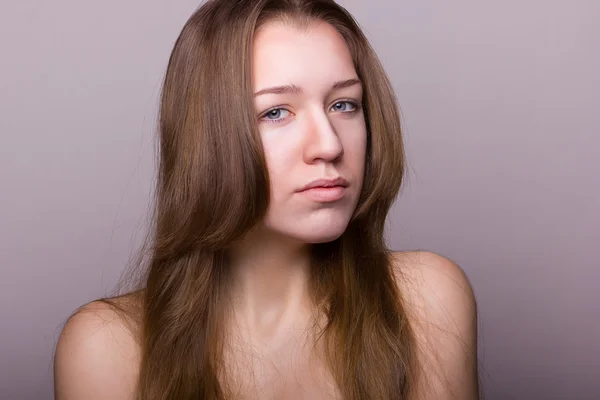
{"points": [[325, 190], [325, 194], [326, 183]]}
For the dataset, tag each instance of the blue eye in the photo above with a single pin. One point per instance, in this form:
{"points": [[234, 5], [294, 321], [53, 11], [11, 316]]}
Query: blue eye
{"points": [[344, 106], [275, 115]]}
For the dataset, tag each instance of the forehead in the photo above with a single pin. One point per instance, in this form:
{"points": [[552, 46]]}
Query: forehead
{"points": [[308, 57]]}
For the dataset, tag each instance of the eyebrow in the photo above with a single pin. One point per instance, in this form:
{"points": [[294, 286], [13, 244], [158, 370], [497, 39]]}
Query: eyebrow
{"points": [[296, 89]]}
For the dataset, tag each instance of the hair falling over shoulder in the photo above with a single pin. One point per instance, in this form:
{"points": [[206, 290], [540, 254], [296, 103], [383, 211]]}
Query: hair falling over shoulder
{"points": [[213, 187]]}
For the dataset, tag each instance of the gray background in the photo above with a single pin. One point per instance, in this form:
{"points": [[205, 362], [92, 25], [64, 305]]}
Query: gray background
{"points": [[499, 101]]}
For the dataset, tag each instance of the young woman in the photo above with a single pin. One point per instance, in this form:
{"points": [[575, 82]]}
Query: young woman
{"points": [[269, 277]]}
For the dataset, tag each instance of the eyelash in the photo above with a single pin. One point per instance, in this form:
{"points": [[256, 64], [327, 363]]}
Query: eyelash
{"points": [[278, 121]]}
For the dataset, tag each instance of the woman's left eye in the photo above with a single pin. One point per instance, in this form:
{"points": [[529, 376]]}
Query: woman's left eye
{"points": [[344, 106]]}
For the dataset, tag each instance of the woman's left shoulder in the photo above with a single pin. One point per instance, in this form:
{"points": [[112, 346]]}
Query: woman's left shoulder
{"points": [[441, 306], [428, 276]]}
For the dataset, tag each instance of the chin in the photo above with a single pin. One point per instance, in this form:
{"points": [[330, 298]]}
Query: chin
{"points": [[316, 233], [316, 228], [322, 237]]}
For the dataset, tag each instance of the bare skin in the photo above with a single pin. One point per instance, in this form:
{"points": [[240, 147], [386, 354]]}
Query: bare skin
{"points": [[312, 133], [436, 290]]}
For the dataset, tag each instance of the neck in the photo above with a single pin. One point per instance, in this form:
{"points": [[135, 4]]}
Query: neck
{"points": [[270, 283]]}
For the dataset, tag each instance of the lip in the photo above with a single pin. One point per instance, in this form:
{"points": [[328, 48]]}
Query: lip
{"points": [[325, 190], [326, 183], [325, 194]]}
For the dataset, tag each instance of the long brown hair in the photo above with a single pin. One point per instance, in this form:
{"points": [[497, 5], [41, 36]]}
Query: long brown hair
{"points": [[213, 187]]}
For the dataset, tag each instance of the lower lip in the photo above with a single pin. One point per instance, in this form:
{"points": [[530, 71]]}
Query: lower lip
{"points": [[324, 194]]}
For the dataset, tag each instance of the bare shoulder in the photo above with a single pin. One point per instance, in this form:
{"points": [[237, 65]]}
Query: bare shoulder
{"points": [[97, 354], [431, 280], [443, 312]]}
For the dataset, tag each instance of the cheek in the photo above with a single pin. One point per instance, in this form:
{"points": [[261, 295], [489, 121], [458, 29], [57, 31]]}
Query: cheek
{"points": [[279, 144], [281, 157], [354, 142]]}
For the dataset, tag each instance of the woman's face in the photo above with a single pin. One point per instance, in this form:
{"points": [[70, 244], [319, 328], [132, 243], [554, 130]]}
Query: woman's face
{"points": [[308, 102]]}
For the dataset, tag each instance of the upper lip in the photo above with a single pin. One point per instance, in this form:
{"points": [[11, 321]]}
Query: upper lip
{"points": [[326, 183]]}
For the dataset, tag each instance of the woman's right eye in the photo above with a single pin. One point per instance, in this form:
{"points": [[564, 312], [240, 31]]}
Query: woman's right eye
{"points": [[275, 115]]}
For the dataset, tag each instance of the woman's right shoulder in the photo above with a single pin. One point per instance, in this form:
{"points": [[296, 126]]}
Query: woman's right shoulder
{"points": [[97, 354]]}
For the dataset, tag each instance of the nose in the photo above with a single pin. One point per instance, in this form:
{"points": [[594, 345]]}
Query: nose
{"points": [[322, 141]]}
